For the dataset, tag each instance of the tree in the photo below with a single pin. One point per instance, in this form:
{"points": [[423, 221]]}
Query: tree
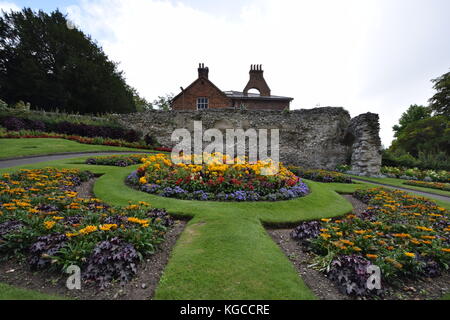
{"points": [[141, 103], [52, 66], [429, 136], [440, 102], [164, 102], [413, 114]]}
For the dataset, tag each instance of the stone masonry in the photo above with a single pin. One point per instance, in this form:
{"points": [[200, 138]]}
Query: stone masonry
{"points": [[313, 138]]}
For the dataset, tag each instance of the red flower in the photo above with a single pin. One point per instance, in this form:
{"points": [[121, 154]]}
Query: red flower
{"points": [[179, 181]]}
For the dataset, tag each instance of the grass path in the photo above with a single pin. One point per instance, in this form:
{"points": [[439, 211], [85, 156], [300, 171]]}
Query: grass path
{"points": [[225, 252], [10, 148]]}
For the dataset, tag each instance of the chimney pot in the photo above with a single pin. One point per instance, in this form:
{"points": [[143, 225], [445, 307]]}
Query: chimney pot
{"points": [[202, 71]]}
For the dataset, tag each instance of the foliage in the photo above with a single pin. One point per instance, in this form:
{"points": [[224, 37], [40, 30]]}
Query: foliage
{"points": [[3, 105], [350, 274], [405, 236], [321, 175], [140, 102], [112, 259], [432, 185], [430, 135], [42, 216], [84, 140], [343, 168], [413, 114], [440, 102], [216, 180], [70, 128], [163, 102], [306, 231], [51, 66], [116, 160], [434, 161], [416, 174]]}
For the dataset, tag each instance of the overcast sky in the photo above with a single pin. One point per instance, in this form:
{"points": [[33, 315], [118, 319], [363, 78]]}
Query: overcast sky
{"points": [[365, 55]]}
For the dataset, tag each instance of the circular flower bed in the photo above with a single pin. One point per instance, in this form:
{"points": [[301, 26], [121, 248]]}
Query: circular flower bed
{"points": [[215, 180]]}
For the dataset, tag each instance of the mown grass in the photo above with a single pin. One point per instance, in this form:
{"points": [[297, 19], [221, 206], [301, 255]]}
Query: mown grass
{"points": [[401, 183], [11, 293], [11, 148], [225, 251]]}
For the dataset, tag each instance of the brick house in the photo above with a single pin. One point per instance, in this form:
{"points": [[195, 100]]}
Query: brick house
{"points": [[202, 94]]}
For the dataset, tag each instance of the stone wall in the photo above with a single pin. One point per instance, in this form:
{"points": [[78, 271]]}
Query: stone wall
{"points": [[313, 138]]}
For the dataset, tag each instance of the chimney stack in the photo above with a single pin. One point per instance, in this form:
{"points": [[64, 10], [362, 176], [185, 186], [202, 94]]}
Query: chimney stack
{"points": [[257, 81], [203, 71]]}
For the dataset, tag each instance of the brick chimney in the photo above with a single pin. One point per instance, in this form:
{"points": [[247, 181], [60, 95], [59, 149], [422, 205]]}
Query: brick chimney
{"points": [[203, 71], [257, 81]]}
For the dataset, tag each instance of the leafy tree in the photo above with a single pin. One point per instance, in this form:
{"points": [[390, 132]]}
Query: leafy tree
{"points": [[141, 103], [429, 136], [52, 66], [413, 114], [164, 102], [440, 102]]}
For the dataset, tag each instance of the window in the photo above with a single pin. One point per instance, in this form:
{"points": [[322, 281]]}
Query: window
{"points": [[202, 103]]}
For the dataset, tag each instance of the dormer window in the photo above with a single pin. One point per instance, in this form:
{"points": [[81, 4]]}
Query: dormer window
{"points": [[202, 103]]}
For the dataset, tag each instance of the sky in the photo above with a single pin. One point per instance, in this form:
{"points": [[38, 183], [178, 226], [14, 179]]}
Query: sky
{"points": [[364, 55]]}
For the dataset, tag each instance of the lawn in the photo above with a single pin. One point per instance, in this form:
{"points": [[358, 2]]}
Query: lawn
{"points": [[225, 251], [400, 183], [11, 148]]}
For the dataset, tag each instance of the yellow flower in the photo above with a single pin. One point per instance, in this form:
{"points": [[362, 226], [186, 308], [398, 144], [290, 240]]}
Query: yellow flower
{"points": [[409, 254], [49, 224], [88, 230], [71, 235], [143, 180], [108, 227], [446, 250], [371, 256]]}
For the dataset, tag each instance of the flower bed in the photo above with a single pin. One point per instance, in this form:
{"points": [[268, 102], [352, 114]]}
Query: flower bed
{"points": [[42, 218], [83, 140], [44, 124], [416, 174], [432, 185], [216, 180], [321, 175], [117, 160], [405, 236]]}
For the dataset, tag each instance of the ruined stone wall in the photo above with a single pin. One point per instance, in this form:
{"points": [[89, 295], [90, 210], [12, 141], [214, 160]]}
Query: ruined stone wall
{"points": [[313, 138]]}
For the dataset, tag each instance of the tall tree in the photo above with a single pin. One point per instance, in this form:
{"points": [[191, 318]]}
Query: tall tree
{"points": [[52, 66], [440, 102], [413, 114]]}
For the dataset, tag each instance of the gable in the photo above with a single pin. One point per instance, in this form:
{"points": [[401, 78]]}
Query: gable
{"points": [[201, 87]]}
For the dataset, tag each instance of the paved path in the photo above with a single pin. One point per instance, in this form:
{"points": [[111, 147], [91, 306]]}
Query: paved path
{"points": [[36, 159], [422, 193]]}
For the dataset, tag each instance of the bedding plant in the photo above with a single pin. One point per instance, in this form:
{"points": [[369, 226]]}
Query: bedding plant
{"points": [[43, 220], [416, 174], [405, 236], [321, 175], [432, 185], [116, 160], [216, 180]]}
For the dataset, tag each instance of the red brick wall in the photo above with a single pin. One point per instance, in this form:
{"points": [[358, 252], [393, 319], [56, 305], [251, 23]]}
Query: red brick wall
{"points": [[201, 88]]}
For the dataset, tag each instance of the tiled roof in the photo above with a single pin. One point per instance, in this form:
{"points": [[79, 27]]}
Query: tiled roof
{"points": [[253, 96]]}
